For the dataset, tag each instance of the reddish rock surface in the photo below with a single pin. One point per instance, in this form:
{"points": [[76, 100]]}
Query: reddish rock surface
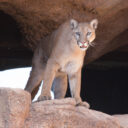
{"points": [[14, 107], [64, 114], [16, 111], [123, 119]]}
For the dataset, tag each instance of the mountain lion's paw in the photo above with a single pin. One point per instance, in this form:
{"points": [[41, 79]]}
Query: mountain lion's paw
{"points": [[85, 104], [42, 98]]}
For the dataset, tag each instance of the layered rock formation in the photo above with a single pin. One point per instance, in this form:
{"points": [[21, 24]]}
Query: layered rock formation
{"points": [[17, 112]]}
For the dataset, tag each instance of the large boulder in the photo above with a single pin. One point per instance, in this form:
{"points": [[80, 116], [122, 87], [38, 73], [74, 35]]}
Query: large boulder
{"points": [[14, 107], [16, 111], [123, 120], [64, 114]]}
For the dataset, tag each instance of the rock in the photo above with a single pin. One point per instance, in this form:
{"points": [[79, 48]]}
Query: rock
{"points": [[14, 107], [64, 114], [16, 111], [123, 119]]}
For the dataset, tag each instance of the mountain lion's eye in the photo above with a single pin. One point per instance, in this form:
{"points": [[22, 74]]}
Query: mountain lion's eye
{"points": [[78, 34], [89, 33]]}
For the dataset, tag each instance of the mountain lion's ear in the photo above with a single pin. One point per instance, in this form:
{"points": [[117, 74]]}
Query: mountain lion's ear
{"points": [[94, 23], [73, 24]]}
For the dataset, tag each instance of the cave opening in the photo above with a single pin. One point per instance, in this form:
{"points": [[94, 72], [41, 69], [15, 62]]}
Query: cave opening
{"points": [[10, 35], [12, 50], [106, 89]]}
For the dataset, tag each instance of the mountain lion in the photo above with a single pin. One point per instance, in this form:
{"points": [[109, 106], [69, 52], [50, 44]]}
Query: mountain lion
{"points": [[62, 60]]}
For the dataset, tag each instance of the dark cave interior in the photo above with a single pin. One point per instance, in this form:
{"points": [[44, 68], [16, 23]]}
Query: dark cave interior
{"points": [[12, 52], [105, 89]]}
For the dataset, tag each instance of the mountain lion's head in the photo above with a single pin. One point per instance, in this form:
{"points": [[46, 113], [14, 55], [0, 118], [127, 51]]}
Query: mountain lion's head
{"points": [[84, 33]]}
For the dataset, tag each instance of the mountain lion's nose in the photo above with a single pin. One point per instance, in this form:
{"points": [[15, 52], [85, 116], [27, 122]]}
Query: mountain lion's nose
{"points": [[84, 42]]}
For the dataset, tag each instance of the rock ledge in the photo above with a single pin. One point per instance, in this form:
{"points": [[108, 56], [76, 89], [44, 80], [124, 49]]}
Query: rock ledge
{"points": [[18, 112]]}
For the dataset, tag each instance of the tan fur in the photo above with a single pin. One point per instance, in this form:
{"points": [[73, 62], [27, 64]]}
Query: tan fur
{"points": [[63, 58]]}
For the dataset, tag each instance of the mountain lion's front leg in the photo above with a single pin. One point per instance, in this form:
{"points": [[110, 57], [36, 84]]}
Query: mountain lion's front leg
{"points": [[59, 86], [75, 87], [35, 79], [49, 76]]}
